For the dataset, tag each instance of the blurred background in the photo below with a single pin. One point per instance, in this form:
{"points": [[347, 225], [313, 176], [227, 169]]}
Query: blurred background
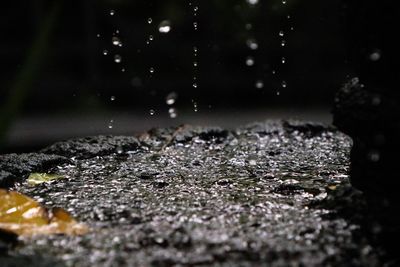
{"points": [[77, 68]]}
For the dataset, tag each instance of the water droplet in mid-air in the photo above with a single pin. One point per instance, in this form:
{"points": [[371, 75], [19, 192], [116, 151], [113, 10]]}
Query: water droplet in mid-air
{"points": [[112, 98], [375, 56], [117, 59], [165, 26], [259, 84], [149, 20], [173, 113], [252, 44], [151, 70], [116, 41], [283, 43], [250, 61], [112, 12], [284, 84], [111, 124], [105, 52], [281, 33], [152, 112], [194, 85], [283, 60], [252, 2], [171, 98]]}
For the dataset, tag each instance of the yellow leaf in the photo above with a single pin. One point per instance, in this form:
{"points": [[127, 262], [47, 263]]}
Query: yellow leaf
{"points": [[24, 216], [39, 178]]}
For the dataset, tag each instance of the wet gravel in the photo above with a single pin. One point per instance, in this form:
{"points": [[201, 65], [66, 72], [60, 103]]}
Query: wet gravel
{"points": [[268, 194]]}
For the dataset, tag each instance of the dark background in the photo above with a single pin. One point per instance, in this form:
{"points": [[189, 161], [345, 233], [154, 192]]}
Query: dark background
{"points": [[55, 82]]}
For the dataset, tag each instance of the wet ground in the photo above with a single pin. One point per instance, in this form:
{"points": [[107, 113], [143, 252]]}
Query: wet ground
{"points": [[268, 194]]}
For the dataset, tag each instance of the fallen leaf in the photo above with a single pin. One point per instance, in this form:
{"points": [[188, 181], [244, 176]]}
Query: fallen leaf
{"points": [[39, 178], [25, 216]]}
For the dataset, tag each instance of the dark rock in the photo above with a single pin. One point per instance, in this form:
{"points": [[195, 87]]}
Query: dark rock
{"points": [[15, 168], [222, 210], [7, 241], [89, 147]]}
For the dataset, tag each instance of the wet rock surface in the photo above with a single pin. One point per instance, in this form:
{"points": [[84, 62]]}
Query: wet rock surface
{"points": [[14, 168], [268, 194]]}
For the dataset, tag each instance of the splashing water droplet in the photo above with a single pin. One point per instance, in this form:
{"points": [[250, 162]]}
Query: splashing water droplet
{"points": [[259, 84], [250, 61], [171, 98], [117, 59], [116, 41], [252, 44], [165, 26]]}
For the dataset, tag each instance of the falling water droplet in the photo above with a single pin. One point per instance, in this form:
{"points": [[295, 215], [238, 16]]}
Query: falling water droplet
{"points": [[284, 84], [105, 52], [111, 124], [281, 33], [112, 12], [151, 37], [195, 64], [149, 20], [165, 26], [112, 98], [196, 8], [173, 113], [284, 2], [98, 35], [252, 2], [252, 44], [194, 85], [259, 84], [250, 61], [283, 43], [195, 106], [152, 112], [171, 98], [195, 25], [283, 60], [151, 70], [117, 59], [116, 41], [375, 56]]}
